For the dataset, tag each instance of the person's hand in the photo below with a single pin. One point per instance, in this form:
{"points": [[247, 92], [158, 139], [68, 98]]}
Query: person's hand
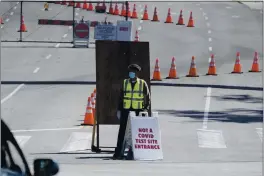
{"points": [[118, 114]]}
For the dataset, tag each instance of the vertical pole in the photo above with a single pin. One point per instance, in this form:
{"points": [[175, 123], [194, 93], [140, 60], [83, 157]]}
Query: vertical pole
{"points": [[21, 13], [126, 10]]}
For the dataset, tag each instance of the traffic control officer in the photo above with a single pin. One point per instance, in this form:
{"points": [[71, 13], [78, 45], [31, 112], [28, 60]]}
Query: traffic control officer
{"points": [[134, 96]]}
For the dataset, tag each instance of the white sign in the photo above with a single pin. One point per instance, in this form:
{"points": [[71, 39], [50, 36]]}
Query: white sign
{"points": [[145, 138], [124, 30], [105, 32]]}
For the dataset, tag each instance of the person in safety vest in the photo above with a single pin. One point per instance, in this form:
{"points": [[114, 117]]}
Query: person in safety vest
{"points": [[134, 96]]}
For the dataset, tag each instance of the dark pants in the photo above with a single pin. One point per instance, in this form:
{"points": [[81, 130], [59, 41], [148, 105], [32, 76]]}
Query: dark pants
{"points": [[122, 131]]}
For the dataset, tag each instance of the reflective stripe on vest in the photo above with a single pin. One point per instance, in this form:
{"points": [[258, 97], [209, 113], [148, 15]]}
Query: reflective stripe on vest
{"points": [[133, 98]]}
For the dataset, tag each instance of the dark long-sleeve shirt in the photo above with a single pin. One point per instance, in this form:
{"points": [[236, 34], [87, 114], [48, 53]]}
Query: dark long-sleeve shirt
{"points": [[145, 92]]}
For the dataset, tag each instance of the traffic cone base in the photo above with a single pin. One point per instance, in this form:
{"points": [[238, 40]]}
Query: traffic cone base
{"points": [[207, 74], [172, 78], [192, 75], [254, 71], [236, 72]]}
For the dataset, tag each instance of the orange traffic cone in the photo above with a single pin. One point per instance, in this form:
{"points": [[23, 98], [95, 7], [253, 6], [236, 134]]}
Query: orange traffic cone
{"points": [[90, 7], [180, 20], [136, 37], [85, 5], [71, 3], [145, 15], [169, 18], [173, 71], [134, 13], [23, 27], [157, 74], [116, 12], [212, 67], [123, 10], [255, 65], [89, 118], [192, 71], [155, 15], [191, 22], [78, 5], [1, 20], [237, 66], [111, 9]]}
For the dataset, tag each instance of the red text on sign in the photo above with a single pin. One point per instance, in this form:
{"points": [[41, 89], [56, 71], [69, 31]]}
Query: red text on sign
{"points": [[142, 146]]}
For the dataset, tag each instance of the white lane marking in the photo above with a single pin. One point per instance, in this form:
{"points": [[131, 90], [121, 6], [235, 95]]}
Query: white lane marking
{"points": [[77, 141], [228, 7], [17, 3], [210, 48], [260, 133], [48, 56], [198, 4], [209, 60], [22, 140], [2, 26], [65, 35], [141, 21], [173, 13], [210, 139], [12, 93], [7, 20], [208, 24], [139, 28], [201, 8], [36, 70], [12, 13], [209, 31], [235, 16], [206, 18], [141, 10], [209, 39], [15, 7], [51, 129], [204, 14], [76, 14], [70, 27], [57, 45], [207, 107]]}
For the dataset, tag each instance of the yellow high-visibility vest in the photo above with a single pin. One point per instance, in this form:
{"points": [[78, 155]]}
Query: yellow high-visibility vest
{"points": [[133, 98]]}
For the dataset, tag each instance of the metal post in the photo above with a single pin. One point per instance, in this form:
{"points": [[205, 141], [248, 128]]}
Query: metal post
{"points": [[127, 10], [21, 13]]}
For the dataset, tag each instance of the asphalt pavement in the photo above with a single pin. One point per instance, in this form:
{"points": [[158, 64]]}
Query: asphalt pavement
{"points": [[46, 118]]}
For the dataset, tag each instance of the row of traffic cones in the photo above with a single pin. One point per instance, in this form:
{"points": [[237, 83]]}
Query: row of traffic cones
{"points": [[89, 118], [84, 6], [124, 12], [211, 69]]}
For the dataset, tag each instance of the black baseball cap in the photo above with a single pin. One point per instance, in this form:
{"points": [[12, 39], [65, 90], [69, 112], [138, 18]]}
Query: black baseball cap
{"points": [[134, 67]]}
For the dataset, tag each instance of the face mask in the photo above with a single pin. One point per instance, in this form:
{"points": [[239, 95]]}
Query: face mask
{"points": [[132, 75]]}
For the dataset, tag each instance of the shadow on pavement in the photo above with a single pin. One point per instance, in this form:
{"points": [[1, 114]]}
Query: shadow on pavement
{"points": [[152, 84], [242, 98], [232, 115], [74, 153]]}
